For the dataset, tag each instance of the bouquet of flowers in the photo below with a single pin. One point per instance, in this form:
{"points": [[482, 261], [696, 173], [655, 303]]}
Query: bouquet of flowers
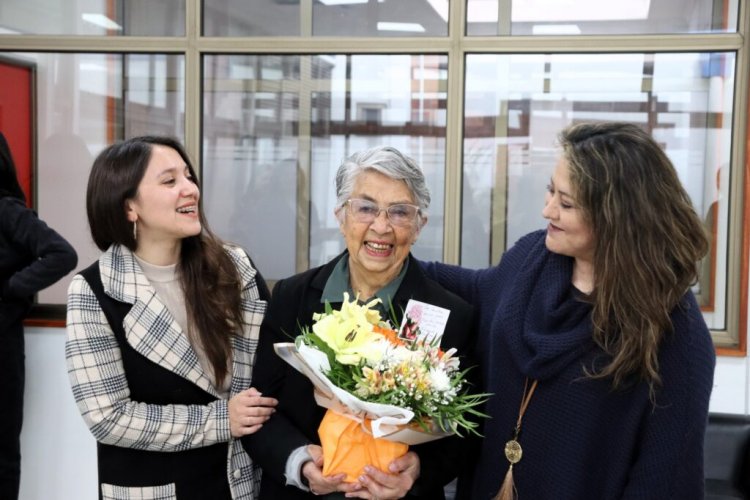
{"points": [[383, 391]]}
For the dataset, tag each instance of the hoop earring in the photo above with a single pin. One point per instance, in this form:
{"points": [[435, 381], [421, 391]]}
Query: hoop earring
{"points": [[135, 230]]}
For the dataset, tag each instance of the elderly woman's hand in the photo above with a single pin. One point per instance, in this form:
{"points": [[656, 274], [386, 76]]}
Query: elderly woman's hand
{"points": [[317, 482], [379, 485], [248, 410]]}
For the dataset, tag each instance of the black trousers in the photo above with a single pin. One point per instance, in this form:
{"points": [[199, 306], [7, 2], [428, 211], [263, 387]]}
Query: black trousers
{"points": [[12, 380]]}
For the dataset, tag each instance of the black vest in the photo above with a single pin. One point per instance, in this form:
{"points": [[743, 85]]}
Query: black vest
{"points": [[199, 473]]}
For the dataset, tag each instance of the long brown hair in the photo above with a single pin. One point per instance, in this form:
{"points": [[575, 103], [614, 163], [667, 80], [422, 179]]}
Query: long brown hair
{"points": [[207, 274], [648, 242]]}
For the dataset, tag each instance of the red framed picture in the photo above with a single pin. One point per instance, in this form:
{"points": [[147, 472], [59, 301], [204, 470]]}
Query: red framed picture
{"points": [[17, 119]]}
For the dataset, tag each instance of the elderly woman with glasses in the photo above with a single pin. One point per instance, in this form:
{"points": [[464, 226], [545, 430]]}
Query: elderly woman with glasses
{"points": [[382, 203]]}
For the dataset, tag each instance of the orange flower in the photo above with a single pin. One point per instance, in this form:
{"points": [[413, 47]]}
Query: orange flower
{"points": [[389, 334]]}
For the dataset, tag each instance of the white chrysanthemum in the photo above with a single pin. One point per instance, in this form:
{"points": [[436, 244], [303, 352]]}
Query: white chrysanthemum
{"points": [[439, 380], [378, 351], [402, 353]]}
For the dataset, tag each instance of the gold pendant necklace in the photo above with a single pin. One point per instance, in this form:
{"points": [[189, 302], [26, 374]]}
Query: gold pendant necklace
{"points": [[513, 450]]}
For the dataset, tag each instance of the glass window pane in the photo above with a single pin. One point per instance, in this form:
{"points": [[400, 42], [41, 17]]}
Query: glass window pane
{"points": [[255, 18], [112, 18], [255, 156], [383, 18], [599, 17], [251, 151], [395, 100], [83, 103], [516, 104], [153, 97]]}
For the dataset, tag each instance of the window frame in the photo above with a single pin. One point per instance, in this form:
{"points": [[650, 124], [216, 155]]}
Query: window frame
{"points": [[730, 341]]}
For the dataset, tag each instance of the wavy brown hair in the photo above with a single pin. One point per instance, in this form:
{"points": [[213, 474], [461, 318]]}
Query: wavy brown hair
{"points": [[207, 274], [648, 242]]}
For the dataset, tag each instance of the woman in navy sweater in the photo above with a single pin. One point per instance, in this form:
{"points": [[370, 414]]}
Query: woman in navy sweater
{"points": [[32, 257], [596, 351]]}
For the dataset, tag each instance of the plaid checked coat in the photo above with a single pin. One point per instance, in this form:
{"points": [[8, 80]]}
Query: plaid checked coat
{"points": [[132, 434]]}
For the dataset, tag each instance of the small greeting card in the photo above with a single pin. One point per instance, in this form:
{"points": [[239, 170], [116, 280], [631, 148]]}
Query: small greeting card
{"points": [[423, 322]]}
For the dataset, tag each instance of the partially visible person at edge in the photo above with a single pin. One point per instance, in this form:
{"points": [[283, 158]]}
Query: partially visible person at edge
{"points": [[32, 257], [162, 334], [590, 325], [381, 207]]}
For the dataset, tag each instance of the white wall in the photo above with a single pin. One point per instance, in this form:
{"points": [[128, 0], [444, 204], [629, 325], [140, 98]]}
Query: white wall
{"points": [[59, 453], [731, 392]]}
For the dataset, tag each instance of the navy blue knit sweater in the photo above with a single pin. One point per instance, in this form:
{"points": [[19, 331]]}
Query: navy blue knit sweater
{"points": [[580, 439]]}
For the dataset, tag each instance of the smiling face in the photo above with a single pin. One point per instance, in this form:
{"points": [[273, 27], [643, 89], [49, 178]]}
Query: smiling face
{"points": [[567, 232], [377, 250], [166, 203]]}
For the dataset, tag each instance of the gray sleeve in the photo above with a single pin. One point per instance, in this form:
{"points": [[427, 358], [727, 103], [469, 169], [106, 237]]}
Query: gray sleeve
{"points": [[294, 463]]}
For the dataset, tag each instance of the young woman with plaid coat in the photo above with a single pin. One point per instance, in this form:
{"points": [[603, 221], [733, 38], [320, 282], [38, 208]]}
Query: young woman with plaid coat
{"points": [[162, 333]]}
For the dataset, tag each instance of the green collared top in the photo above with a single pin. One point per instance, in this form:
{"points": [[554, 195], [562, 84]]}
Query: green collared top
{"points": [[338, 283]]}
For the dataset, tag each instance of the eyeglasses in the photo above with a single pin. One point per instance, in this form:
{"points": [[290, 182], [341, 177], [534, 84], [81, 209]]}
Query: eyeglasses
{"points": [[400, 214]]}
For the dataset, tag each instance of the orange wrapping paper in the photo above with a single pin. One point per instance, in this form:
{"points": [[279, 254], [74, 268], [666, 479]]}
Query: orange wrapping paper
{"points": [[347, 448]]}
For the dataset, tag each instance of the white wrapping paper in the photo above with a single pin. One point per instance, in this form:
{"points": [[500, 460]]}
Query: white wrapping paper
{"points": [[388, 421]]}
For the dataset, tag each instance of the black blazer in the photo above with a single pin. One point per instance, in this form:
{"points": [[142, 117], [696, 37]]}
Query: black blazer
{"points": [[295, 423], [33, 256]]}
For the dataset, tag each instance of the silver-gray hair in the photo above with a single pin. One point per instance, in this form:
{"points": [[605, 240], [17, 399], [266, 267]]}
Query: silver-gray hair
{"points": [[388, 161]]}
